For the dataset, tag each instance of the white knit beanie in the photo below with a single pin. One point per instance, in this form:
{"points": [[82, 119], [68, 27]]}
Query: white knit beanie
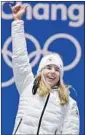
{"points": [[54, 59]]}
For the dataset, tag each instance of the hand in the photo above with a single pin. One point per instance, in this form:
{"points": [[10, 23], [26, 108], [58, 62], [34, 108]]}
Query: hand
{"points": [[18, 11]]}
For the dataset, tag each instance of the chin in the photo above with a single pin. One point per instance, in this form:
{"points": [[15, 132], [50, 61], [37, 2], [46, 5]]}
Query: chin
{"points": [[51, 85]]}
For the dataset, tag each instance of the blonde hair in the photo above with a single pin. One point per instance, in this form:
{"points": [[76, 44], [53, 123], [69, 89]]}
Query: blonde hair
{"points": [[63, 93], [44, 90]]}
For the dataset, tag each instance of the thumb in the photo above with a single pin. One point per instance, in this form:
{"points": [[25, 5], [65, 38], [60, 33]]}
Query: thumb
{"points": [[25, 7]]}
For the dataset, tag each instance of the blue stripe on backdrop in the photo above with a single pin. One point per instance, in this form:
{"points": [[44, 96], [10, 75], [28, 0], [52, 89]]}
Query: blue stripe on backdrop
{"points": [[61, 32]]}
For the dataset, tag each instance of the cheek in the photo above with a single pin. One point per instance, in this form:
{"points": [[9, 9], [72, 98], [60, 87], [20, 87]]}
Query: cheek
{"points": [[45, 72], [57, 75]]}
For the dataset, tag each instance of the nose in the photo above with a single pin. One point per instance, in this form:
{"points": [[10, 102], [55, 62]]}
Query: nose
{"points": [[52, 70]]}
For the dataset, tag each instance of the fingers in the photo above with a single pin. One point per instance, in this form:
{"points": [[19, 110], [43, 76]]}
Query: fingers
{"points": [[15, 8], [25, 7], [18, 10]]}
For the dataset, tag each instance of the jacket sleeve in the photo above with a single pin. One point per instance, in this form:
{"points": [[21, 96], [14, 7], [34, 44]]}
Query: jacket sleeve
{"points": [[71, 120], [21, 67]]}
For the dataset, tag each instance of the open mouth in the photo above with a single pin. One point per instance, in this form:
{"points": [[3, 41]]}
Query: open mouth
{"points": [[51, 78]]}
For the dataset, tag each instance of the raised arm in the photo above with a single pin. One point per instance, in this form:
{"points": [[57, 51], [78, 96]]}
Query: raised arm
{"points": [[21, 67]]}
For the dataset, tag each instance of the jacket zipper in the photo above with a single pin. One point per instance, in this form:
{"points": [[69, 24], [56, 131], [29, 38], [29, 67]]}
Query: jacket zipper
{"points": [[18, 126], [42, 114]]}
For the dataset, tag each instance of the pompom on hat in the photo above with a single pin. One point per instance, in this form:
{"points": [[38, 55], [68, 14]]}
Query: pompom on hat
{"points": [[54, 59]]}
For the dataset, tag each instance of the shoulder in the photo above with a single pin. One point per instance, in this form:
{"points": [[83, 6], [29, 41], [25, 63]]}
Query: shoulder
{"points": [[71, 100], [72, 106]]}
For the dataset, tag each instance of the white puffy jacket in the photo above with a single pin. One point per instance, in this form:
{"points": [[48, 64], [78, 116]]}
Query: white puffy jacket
{"points": [[38, 115]]}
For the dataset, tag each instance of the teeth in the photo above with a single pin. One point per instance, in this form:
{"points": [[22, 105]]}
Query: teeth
{"points": [[51, 78]]}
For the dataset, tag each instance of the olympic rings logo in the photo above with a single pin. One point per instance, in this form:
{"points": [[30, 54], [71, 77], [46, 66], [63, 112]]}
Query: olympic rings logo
{"points": [[38, 52]]}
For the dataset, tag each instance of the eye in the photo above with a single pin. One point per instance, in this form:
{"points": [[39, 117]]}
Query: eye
{"points": [[57, 69], [49, 67]]}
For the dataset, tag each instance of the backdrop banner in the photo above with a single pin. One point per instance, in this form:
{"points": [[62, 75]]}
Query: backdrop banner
{"points": [[49, 27]]}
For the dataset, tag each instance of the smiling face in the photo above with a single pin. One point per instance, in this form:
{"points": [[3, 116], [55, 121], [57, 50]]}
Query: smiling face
{"points": [[51, 74]]}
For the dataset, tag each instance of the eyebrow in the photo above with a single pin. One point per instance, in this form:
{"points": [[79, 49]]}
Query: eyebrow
{"points": [[53, 66]]}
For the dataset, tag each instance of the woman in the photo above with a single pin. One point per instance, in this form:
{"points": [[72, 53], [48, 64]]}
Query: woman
{"points": [[45, 106]]}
